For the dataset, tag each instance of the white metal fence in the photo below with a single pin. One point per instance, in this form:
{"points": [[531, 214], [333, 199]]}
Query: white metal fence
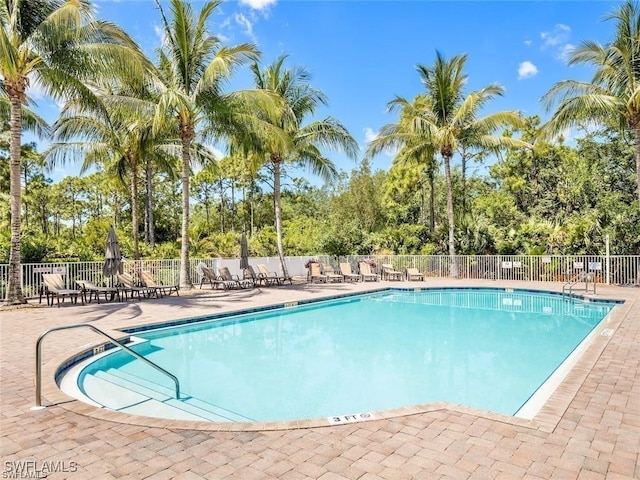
{"points": [[614, 269]]}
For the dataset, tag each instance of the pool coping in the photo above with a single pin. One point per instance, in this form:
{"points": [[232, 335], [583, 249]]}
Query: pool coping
{"points": [[546, 419]]}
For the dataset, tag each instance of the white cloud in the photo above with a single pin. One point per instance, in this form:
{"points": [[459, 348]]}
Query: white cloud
{"points": [[160, 33], [222, 37], [556, 37], [565, 52], [527, 42], [370, 135], [258, 4], [245, 23], [526, 69]]}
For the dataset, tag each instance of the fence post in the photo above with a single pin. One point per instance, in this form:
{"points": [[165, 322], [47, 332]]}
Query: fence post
{"points": [[608, 259]]}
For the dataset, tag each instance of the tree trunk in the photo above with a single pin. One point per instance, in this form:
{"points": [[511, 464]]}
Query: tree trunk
{"points": [[26, 198], [134, 210], [636, 133], [150, 234], [221, 205], [432, 201], [14, 286], [185, 278], [275, 159], [464, 182], [453, 267], [233, 207]]}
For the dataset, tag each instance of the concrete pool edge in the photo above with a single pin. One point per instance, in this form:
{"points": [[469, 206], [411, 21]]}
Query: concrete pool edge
{"points": [[546, 419]]}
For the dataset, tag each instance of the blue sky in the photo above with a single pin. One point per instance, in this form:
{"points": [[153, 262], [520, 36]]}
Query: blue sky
{"points": [[363, 53]]}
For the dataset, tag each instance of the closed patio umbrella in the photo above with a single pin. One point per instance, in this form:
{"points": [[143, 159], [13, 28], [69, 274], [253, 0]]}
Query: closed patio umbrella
{"points": [[244, 252], [112, 256]]}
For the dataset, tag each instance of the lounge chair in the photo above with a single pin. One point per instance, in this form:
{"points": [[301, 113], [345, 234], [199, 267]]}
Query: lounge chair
{"points": [[390, 273], [414, 274], [331, 274], [91, 289], [316, 274], [53, 286], [366, 274], [233, 280], [127, 285], [345, 270], [147, 280], [208, 276], [257, 278], [279, 279]]}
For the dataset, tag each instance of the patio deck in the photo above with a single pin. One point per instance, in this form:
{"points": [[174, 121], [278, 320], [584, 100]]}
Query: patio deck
{"points": [[589, 429]]}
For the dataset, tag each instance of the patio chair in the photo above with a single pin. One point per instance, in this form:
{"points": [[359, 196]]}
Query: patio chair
{"points": [[126, 285], [390, 273], [279, 279], [233, 280], [257, 278], [91, 289], [331, 274], [147, 280], [208, 276], [345, 270], [53, 286], [414, 274], [366, 274], [316, 274]]}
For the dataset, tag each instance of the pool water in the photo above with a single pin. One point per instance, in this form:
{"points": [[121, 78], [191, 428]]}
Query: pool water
{"points": [[489, 349]]}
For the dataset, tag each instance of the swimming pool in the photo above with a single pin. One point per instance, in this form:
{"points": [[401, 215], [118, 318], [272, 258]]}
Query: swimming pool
{"points": [[483, 348]]}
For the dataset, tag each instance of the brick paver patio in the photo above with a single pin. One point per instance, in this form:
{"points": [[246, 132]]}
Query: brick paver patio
{"points": [[589, 428]]}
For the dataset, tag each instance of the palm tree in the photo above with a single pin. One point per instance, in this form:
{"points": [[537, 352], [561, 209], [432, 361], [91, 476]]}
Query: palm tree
{"points": [[411, 142], [55, 44], [613, 95], [288, 139], [116, 137], [443, 119], [193, 68]]}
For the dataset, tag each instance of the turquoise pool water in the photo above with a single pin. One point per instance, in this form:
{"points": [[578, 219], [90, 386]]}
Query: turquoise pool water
{"points": [[489, 349]]}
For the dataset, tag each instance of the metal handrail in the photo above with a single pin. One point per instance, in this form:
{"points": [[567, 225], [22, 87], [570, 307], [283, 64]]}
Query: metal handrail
{"points": [[573, 281], [104, 334], [586, 277]]}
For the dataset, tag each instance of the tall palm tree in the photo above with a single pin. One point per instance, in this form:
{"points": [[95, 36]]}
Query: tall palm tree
{"points": [[287, 139], [410, 140], [443, 118], [56, 44], [193, 69], [118, 138], [614, 91]]}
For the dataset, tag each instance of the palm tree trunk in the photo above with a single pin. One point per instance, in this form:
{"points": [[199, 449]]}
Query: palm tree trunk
{"points": [[453, 267], [432, 201], [278, 211], [464, 183], [150, 230], [221, 205], [185, 278], [134, 210], [636, 133], [14, 287]]}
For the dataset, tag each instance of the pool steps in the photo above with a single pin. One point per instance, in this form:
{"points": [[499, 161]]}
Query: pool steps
{"points": [[128, 393]]}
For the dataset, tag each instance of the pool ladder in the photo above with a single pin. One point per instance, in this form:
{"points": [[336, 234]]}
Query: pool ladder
{"points": [[104, 334], [582, 277]]}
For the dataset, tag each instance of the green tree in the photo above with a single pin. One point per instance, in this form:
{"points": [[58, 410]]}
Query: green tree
{"points": [[613, 95], [193, 68], [287, 139], [56, 44], [444, 119]]}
